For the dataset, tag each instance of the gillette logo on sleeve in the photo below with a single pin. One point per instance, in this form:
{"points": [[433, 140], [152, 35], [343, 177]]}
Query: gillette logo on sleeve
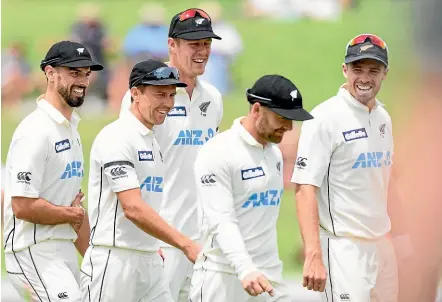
{"points": [[62, 146], [145, 156], [252, 173], [177, 111], [352, 135]]}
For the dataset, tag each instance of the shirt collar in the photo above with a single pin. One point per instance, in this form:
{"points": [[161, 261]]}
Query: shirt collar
{"points": [[244, 134], [196, 93], [134, 122], [56, 115], [349, 99]]}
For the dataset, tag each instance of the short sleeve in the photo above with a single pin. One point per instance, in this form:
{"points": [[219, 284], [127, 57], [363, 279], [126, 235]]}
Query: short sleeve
{"points": [[118, 160], [315, 148], [28, 156]]}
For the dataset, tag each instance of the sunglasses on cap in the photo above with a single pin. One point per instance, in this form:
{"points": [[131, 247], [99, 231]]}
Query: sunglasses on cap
{"points": [[191, 13], [375, 40], [158, 74]]}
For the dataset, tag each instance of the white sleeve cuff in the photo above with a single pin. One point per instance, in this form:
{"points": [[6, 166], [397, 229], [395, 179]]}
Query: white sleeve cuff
{"points": [[231, 242]]}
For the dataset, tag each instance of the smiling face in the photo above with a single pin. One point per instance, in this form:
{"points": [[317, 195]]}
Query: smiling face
{"points": [[364, 79], [71, 84], [190, 56], [152, 103]]}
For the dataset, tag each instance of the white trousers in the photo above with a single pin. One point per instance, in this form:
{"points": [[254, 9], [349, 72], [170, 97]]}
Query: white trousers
{"points": [[179, 272], [115, 275], [211, 286], [46, 271], [359, 270]]}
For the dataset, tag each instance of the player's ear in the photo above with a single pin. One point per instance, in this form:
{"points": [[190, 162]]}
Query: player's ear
{"points": [[50, 73], [255, 108], [344, 70], [385, 73], [135, 93], [172, 44]]}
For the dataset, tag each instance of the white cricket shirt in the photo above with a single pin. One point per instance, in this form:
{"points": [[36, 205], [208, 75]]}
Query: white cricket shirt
{"points": [[188, 126], [346, 151], [45, 160], [240, 185], [124, 155]]}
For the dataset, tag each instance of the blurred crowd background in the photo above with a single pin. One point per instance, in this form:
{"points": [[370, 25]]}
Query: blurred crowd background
{"points": [[303, 40], [145, 38]]}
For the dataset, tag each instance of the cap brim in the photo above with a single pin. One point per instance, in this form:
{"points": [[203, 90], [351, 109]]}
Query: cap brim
{"points": [[298, 114], [198, 35], [352, 59], [164, 83], [83, 63]]}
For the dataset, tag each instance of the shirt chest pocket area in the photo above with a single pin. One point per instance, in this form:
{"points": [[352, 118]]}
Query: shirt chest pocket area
{"points": [[150, 171], [252, 186], [67, 158]]}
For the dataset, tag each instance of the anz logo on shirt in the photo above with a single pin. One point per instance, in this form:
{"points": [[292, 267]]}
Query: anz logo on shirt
{"points": [[373, 160], [267, 198], [194, 137], [73, 169], [152, 184]]}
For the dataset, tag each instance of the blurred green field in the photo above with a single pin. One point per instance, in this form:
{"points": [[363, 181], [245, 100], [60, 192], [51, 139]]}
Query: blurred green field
{"points": [[308, 52]]}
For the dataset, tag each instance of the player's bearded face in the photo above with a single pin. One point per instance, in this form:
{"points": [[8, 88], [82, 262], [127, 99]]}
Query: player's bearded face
{"points": [[72, 86], [193, 55], [364, 79], [271, 126]]}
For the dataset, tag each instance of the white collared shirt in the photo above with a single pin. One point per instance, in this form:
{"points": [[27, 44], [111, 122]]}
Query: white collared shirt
{"points": [[240, 185], [347, 151], [45, 160], [124, 156], [188, 126]]}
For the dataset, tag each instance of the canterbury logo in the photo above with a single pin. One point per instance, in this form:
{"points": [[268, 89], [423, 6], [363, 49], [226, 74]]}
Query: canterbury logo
{"points": [[208, 179], [63, 295], [24, 176], [118, 171]]}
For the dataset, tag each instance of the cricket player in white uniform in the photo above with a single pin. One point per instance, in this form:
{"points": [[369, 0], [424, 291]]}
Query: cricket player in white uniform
{"points": [[342, 175], [193, 120], [126, 184], [44, 170], [240, 192]]}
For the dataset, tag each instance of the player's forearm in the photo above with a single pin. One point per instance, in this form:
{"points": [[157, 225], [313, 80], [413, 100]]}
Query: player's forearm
{"points": [[40, 211], [153, 224], [229, 238], [308, 219], [82, 242]]}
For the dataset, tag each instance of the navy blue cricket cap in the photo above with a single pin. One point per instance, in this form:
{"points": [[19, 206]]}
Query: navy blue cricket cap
{"points": [[192, 24], [366, 46], [69, 54], [280, 95], [152, 72]]}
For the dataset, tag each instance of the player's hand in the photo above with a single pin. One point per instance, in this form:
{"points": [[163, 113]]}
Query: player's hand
{"points": [[256, 283], [78, 212], [314, 273], [191, 250]]}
